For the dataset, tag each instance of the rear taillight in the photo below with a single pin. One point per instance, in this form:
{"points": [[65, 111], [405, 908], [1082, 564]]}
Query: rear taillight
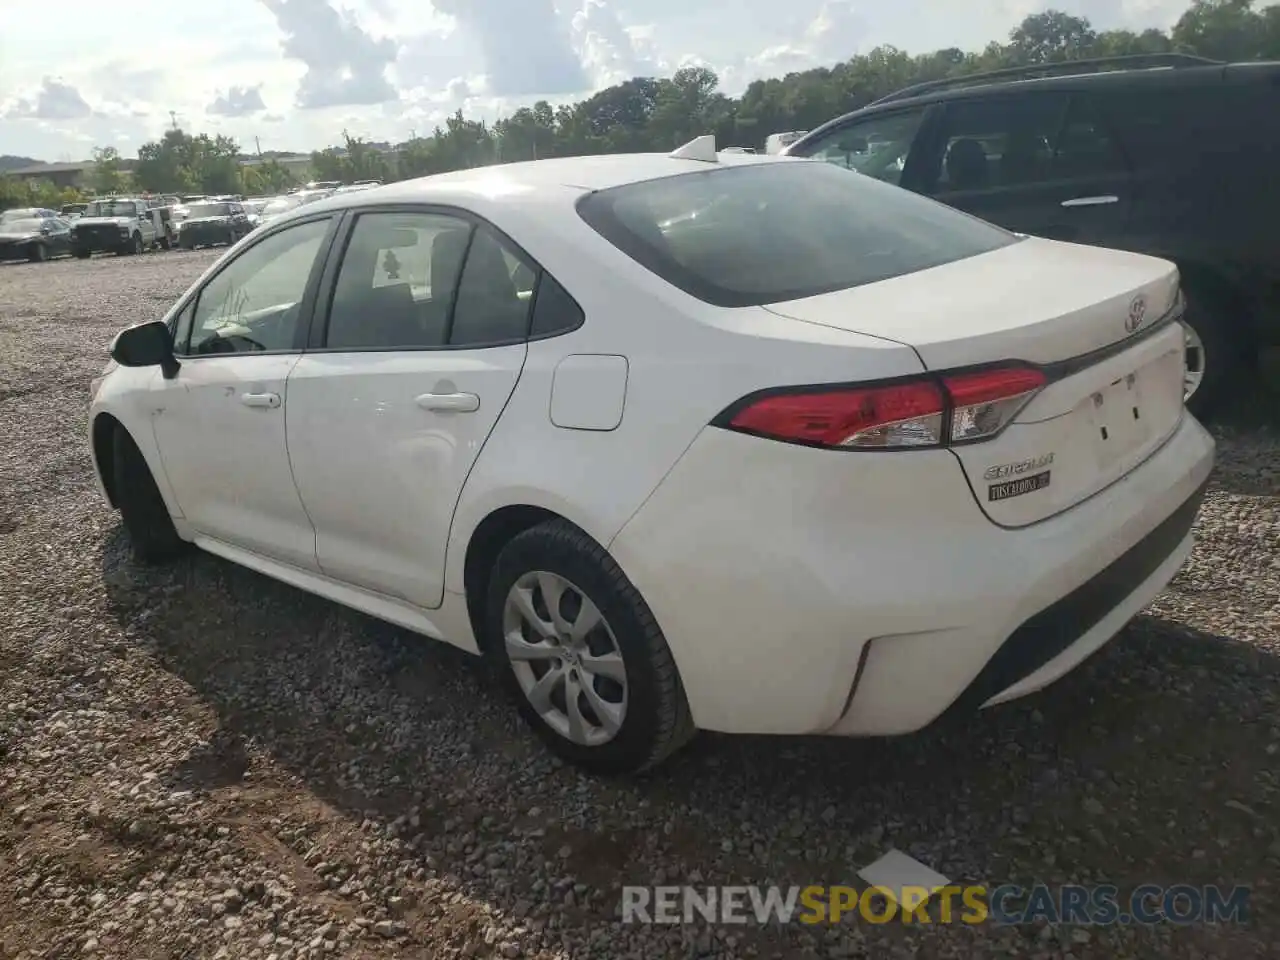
{"points": [[923, 412]]}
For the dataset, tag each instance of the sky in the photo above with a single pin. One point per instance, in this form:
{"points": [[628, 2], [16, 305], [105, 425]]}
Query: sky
{"points": [[295, 73]]}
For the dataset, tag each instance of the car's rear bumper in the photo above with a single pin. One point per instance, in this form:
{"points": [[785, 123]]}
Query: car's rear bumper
{"points": [[868, 594]]}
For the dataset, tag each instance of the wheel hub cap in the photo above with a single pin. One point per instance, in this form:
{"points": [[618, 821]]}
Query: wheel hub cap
{"points": [[565, 658]]}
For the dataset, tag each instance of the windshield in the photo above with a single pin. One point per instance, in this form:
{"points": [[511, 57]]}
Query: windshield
{"points": [[279, 205], [23, 225], [111, 208], [198, 210], [765, 233]]}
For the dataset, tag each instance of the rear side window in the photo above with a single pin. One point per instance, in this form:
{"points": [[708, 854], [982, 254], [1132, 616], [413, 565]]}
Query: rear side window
{"points": [[769, 232], [554, 310]]}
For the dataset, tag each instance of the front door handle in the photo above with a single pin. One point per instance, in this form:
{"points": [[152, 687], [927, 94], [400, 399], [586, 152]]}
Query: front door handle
{"points": [[269, 400], [449, 402], [1090, 201]]}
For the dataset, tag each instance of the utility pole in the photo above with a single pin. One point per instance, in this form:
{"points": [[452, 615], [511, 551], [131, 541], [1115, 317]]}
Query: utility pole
{"points": [[173, 118], [258, 145]]}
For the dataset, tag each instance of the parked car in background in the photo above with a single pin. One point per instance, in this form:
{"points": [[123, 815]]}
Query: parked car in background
{"points": [[826, 457], [311, 196], [32, 235], [253, 208], [123, 225], [213, 222], [278, 206], [1170, 155], [72, 211], [775, 143]]}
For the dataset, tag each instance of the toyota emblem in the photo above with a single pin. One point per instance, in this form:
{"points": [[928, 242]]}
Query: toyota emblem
{"points": [[1137, 313]]}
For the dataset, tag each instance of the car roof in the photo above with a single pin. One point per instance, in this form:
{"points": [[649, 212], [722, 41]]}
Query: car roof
{"points": [[967, 88], [576, 174]]}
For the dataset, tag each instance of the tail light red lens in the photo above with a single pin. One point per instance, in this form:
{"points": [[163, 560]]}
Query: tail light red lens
{"points": [[983, 403], [930, 411]]}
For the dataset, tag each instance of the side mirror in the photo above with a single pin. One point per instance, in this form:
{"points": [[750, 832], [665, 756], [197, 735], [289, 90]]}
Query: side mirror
{"points": [[146, 345]]}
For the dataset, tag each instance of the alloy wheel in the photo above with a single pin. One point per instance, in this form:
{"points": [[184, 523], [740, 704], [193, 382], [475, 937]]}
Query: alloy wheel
{"points": [[1194, 373], [565, 657]]}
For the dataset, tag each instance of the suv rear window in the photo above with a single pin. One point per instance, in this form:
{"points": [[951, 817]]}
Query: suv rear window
{"points": [[764, 233]]}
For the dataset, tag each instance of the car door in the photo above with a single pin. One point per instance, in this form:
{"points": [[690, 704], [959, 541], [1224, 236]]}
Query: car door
{"points": [[881, 145], [1040, 163], [58, 240], [220, 421], [239, 221], [415, 358]]}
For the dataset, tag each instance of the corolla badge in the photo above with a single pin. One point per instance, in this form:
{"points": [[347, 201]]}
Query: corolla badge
{"points": [[1137, 313], [1003, 470]]}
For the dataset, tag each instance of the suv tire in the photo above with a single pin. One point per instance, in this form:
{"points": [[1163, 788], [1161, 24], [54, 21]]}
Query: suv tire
{"points": [[1212, 350]]}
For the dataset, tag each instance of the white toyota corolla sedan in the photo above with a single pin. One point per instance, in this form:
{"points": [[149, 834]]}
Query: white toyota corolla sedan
{"points": [[689, 441]]}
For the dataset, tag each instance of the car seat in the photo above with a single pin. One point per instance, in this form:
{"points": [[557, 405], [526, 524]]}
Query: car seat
{"points": [[967, 165]]}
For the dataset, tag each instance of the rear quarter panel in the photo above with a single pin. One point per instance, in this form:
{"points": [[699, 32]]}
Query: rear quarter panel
{"points": [[686, 362]]}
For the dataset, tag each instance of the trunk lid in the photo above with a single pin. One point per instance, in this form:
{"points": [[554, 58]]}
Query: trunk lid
{"points": [[1086, 315]]}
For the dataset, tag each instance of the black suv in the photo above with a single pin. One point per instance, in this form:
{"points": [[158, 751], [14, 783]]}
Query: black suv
{"points": [[1170, 155]]}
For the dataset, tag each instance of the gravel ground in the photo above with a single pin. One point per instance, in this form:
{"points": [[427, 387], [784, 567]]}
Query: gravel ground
{"points": [[197, 761]]}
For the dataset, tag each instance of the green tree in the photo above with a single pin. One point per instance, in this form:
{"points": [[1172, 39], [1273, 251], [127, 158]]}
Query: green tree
{"points": [[1052, 35], [107, 176], [1226, 30], [265, 178], [34, 193], [181, 163]]}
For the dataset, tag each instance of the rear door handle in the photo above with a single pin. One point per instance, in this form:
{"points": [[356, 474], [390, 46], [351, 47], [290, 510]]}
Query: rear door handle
{"points": [[270, 400], [449, 402], [1090, 201]]}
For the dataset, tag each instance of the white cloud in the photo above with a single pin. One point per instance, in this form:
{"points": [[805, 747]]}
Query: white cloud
{"points": [[53, 100], [237, 102], [295, 72], [345, 64], [524, 44]]}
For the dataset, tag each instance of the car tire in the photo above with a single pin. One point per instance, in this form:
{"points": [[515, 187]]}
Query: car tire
{"points": [[1212, 352], [650, 714], [38, 253], [166, 242], [142, 509], [80, 254], [137, 246]]}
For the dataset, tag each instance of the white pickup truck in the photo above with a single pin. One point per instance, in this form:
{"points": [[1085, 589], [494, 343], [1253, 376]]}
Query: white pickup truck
{"points": [[117, 225]]}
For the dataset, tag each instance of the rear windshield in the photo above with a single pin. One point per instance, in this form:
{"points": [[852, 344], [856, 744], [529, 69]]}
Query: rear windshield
{"points": [[198, 210], [749, 235]]}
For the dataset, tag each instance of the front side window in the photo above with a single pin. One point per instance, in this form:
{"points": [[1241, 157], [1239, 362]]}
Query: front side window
{"points": [[878, 146], [253, 304], [428, 280], [770, 232], [198, 211]]}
